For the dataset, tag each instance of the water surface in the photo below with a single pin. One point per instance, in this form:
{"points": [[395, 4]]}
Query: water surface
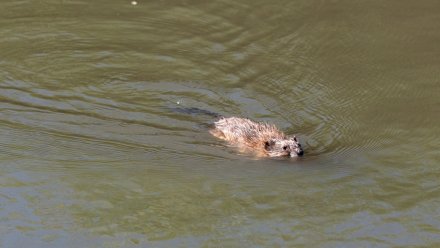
{"points": [[93, 155]]}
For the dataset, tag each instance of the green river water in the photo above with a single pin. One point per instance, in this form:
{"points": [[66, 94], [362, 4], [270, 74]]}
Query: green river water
{"points": [[94, 154]]}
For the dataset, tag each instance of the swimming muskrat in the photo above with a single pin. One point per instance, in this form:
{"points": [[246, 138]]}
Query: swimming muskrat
{"points": [[264, 139]]}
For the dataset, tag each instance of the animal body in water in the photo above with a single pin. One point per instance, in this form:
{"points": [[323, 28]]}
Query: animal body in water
{"points": [[264, 139]]}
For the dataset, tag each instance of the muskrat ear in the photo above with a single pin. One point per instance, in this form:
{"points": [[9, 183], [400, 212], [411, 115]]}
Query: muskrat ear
{"points": [[268, 144]]}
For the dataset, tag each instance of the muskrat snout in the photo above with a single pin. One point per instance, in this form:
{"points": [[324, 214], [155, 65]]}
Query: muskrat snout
{"points": [[297, 152]]}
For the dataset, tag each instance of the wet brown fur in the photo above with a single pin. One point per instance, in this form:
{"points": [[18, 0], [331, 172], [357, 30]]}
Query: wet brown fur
{"points": [[262, 138]]}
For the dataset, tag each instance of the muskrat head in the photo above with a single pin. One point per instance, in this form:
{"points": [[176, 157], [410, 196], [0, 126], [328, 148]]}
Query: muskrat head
{"points": [[283, 147]]}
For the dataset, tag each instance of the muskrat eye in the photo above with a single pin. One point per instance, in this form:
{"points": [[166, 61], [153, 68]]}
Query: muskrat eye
{"points": [[284, 148]]}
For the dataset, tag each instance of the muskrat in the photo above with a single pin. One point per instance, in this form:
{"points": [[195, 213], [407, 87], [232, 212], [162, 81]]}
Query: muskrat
{"points": [[264, 139]]}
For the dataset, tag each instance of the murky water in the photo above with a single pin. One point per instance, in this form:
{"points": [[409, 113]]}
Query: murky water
{"points": [[93, 155]]}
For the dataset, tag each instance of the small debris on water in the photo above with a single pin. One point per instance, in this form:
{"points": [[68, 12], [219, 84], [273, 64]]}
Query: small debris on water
{"points": [[134, 3]]}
